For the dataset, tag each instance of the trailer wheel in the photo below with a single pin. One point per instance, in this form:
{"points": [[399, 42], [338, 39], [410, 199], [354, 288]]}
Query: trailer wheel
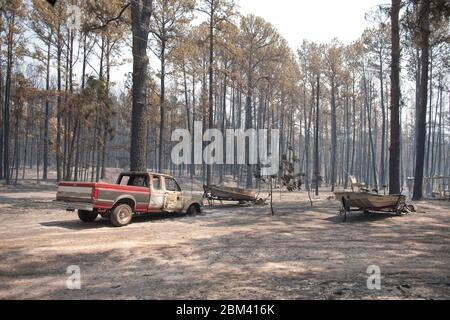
{"points": [[400, 211], [345, 209], [87, 216], [121, 215]]}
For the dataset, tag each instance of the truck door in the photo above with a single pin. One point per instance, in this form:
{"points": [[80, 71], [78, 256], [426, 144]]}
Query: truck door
{"points": [[173, 199], [156, 193]]}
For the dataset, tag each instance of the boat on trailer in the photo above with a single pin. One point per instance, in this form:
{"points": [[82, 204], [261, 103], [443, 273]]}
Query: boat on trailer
{"points": [[366, 201], [232, 194], [229, 194]]}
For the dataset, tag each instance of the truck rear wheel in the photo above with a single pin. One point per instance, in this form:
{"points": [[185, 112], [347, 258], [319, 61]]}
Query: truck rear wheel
{"points": [[121, 215], [87, 216]]}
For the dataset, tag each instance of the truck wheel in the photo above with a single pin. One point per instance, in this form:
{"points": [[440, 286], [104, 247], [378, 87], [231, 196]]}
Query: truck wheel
{"points": [[193, 210], [87, 216], [121, 215]]}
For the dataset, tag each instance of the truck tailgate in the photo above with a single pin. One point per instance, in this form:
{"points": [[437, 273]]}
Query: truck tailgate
{"points": [[75, 192]]}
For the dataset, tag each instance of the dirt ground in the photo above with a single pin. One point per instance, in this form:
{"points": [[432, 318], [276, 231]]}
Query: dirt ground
{"points": [[228, 252]]}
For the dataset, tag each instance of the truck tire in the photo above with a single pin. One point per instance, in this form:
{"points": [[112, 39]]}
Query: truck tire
{"points": [[193, 210], [87, 216], [121, 215]]}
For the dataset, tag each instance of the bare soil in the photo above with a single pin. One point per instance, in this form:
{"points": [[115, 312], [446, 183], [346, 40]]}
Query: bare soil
{"points": [[228, 252]]}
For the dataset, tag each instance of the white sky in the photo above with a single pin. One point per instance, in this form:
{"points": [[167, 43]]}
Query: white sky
{"points": [[314, 20]]}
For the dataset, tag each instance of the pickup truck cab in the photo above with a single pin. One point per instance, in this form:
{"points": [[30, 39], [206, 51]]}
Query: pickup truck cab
{"points": [[133, 192]]}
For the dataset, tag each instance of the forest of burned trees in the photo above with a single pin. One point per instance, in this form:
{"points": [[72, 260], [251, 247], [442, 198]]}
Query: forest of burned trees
{"points": [[64, 117]]}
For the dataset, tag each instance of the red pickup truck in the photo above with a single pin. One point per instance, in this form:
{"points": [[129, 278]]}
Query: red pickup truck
{"points": [[134, 192]]}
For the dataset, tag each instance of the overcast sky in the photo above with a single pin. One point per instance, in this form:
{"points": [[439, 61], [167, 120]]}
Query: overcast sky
{"points": [[313, 20]]}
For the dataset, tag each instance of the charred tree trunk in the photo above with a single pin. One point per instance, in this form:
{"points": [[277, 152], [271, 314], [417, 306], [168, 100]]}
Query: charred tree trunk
{"points": [[248, 125], [424, 18], [58, 106], [6, 129], [394, 155], [83, 74], [47, 110], [383, 126], [211, 83], [316, 139], [140, 16], [333, 134], [161, 105]]}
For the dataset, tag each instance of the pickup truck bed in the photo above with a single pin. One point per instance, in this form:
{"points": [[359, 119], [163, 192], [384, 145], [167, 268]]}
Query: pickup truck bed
{"points": [[101, 195]]}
